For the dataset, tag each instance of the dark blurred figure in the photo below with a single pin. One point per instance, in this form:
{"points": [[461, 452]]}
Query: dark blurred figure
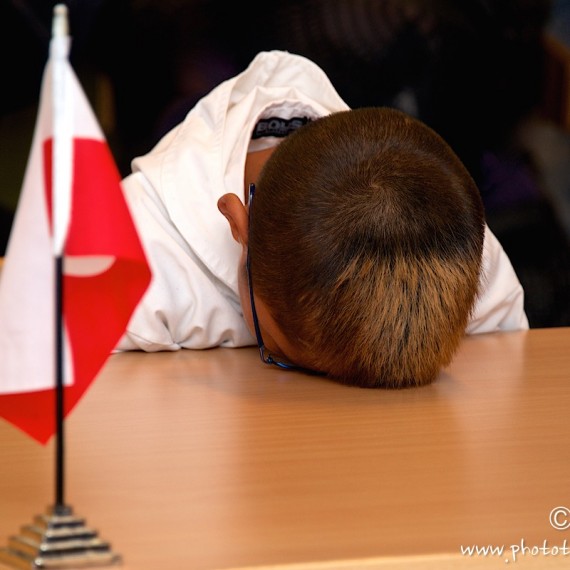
{"points": [[160, 56], [469, 69]]}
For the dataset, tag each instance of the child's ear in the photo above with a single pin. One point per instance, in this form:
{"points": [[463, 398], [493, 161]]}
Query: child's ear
{"points": [[236, 214]]}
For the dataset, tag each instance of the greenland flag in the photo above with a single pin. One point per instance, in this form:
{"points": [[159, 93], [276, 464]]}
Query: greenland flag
{"points": [[85, 221]]}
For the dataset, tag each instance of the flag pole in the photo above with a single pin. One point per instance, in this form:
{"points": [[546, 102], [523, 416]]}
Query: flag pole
{"points": [[59, 506], [59, 539], [62, 160]]}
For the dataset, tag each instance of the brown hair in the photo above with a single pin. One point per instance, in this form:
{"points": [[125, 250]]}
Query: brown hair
{"points": [[366, 240]]}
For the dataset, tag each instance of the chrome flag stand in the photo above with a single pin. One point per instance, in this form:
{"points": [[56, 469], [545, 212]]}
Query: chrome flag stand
{"points": [[58, 539]]}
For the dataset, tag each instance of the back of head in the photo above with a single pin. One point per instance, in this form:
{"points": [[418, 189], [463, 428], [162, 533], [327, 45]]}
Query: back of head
{"points": [[366, 242]]}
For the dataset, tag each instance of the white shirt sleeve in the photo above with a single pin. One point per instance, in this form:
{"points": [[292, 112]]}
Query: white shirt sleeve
{"points": [[185, 305], [500, 303]]}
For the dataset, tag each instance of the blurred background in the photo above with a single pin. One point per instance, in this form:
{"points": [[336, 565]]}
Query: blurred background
{"points": [[491, 76]]}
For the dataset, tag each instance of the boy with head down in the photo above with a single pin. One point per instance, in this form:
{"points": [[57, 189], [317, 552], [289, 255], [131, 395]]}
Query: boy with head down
{"points": [[354, 241]]}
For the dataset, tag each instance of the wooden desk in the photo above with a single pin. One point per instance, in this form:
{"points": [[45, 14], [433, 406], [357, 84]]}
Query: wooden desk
{"points": [[210, 459]]}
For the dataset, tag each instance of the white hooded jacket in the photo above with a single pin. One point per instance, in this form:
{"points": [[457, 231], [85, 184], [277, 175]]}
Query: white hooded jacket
{"points": [[193, 300]]}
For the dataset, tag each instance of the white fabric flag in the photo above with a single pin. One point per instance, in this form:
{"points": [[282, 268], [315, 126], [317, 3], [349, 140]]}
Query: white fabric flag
{"points": [[105, 269]]}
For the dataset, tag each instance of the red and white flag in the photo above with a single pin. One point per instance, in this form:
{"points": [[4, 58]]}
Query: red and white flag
{"points": [[86, 220]]}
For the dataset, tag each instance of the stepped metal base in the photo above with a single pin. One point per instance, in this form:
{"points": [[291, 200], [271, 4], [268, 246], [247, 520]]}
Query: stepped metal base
{"points": [[57, 539]]}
